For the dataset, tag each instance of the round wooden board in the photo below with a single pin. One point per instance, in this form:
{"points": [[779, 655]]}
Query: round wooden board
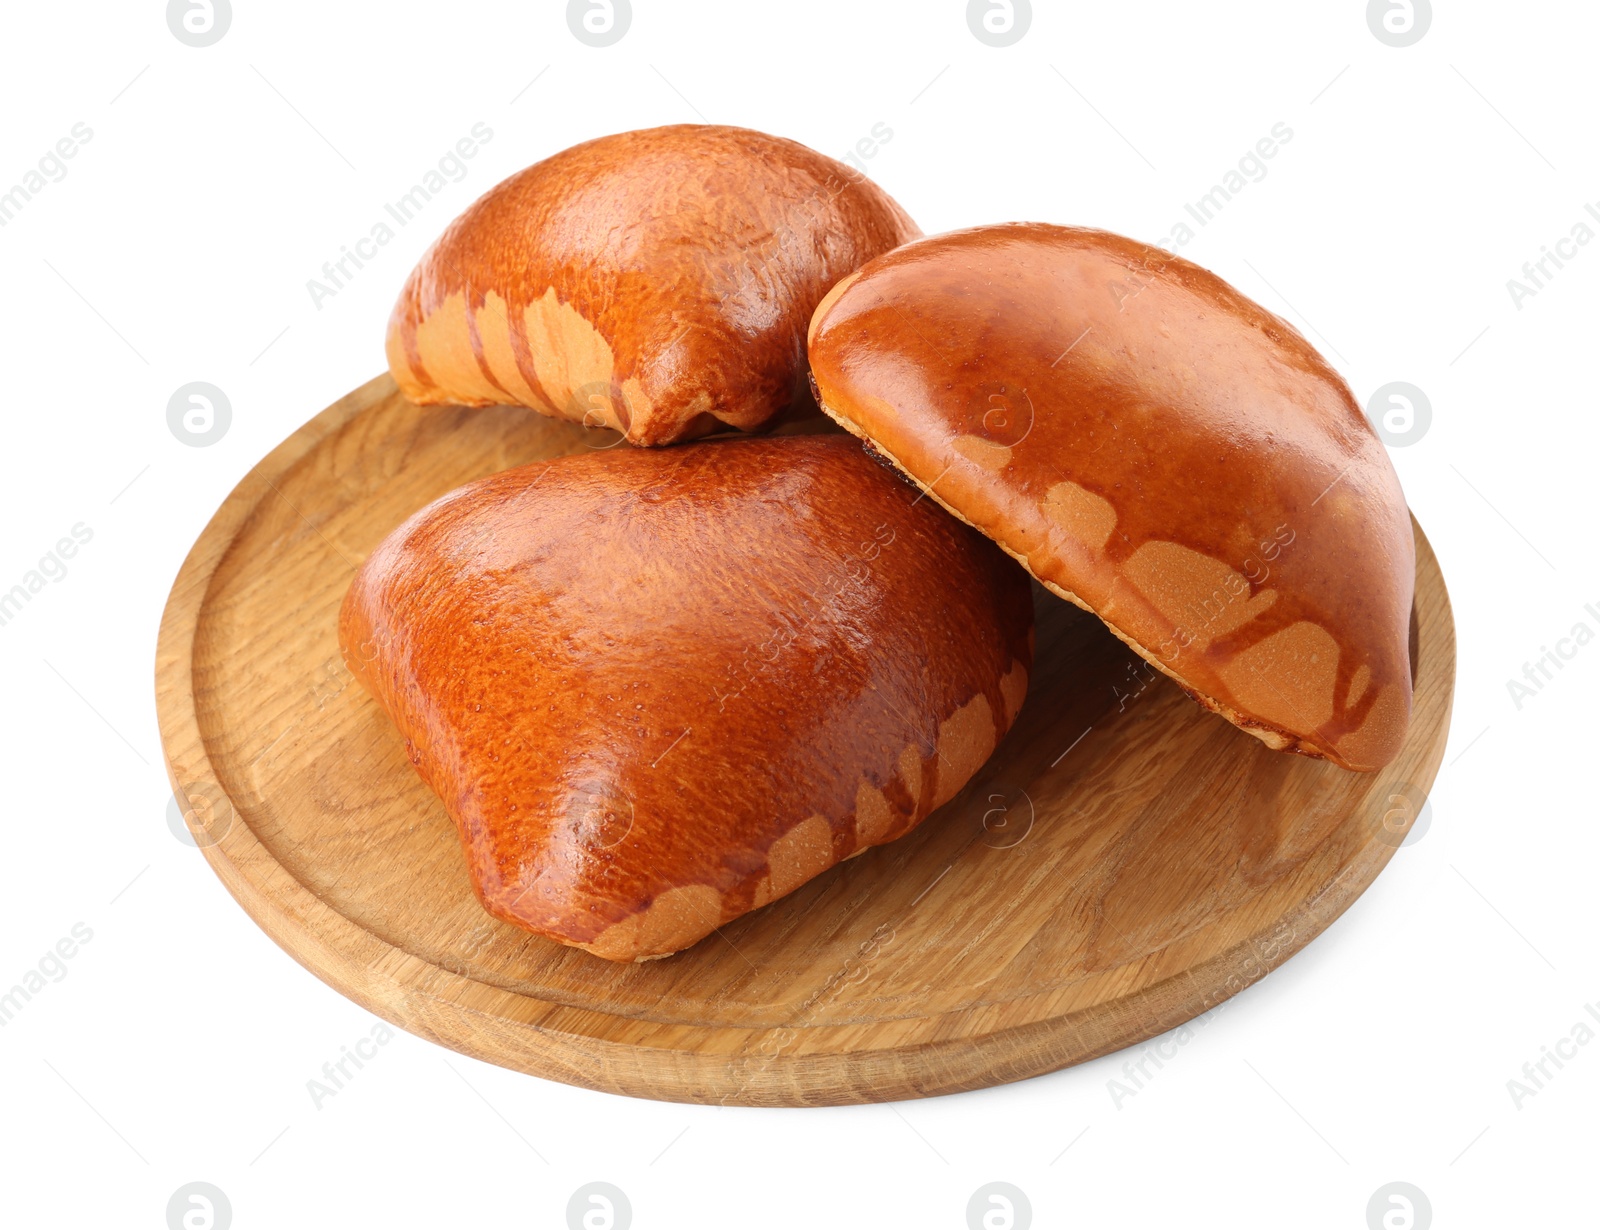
{"points": [[1123, 863]]}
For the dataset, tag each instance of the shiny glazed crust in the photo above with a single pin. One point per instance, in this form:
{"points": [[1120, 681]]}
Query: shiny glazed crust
{"points": [[1158, 449], [657, 282], [659, 688]]}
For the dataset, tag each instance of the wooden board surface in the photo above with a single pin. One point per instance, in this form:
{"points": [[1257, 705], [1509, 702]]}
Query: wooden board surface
{"points": [[1124, 862]]}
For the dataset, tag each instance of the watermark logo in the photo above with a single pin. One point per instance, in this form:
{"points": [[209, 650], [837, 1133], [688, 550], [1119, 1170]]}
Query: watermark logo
{"points": [[599, 1206], [200, 805], [1004, 412], [599, 23], [1402, 816], [52, 567], [999, 23], [1550, 662], [999, 1206], [199, 1206], [449, 168], [1399, 1206], [199, 23], [1552, 259], [1251, 168], [1399, 23], [600, 815], [51, 967], [775, 1043], [1536, 1073], [868, 146], [1137, 1075], [199, 414], [601, 404], [1400, 413], [1244, 583], [51, 169], [846, 586], [1267, 951], [1004, 827], [336, 1073]]}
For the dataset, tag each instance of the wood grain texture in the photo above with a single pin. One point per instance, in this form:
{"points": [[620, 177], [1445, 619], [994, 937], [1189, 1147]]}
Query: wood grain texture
{"points": [[1124, 862]]}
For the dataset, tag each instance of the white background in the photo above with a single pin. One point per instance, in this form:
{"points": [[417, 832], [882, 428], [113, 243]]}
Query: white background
{"points": [[177, 248]]}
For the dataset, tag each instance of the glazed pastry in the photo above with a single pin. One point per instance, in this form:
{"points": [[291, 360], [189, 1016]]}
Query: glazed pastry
{"points": [[1154, 447], [657, 689], [655, 282]]}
